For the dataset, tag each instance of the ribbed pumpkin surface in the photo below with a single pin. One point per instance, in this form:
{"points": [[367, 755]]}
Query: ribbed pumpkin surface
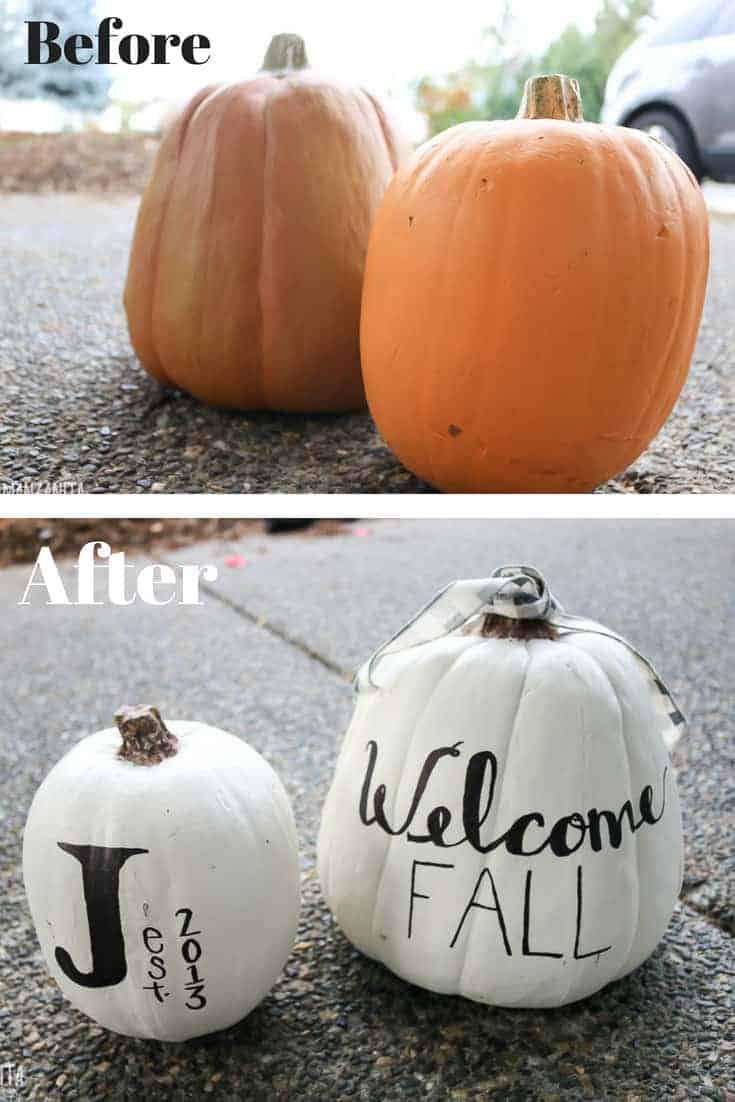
{"points": [[247, 265], [532, 298]]}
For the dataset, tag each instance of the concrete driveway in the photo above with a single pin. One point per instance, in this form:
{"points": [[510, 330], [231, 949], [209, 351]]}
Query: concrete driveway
{"points": [[720, 198], [268, 656], [77, 408]]}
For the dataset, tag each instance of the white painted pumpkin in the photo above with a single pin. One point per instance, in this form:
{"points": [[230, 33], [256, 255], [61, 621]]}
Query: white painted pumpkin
{"points": [[469, 840], [163, 884]]}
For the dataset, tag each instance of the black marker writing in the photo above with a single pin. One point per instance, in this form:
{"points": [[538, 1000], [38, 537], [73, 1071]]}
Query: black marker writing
{"points": [[565, 837], [101, 882]]}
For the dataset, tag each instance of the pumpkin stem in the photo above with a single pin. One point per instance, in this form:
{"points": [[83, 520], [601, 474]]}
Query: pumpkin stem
{"points": [[286, 54], [145, 738], [503, 627], [551, 97]]}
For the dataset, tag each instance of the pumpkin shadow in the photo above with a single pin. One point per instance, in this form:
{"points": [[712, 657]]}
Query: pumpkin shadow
{"points": [[161, 432], [636, 1012], [336, 1017]]}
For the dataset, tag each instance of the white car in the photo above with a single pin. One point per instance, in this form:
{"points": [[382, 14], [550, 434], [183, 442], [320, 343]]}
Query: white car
{"points": [[678, 83]]}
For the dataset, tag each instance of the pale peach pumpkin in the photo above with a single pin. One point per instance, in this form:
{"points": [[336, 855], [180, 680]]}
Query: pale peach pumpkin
{"points": [[532, 297], [247, 264]]}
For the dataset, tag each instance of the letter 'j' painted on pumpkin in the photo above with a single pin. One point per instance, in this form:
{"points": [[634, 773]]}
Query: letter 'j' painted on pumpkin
{"points": [[101, 881]]}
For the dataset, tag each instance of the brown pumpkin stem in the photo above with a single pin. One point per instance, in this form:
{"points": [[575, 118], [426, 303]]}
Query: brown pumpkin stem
{"points": [[503, 627], [146, 740], [552, 96], [286, 54]]}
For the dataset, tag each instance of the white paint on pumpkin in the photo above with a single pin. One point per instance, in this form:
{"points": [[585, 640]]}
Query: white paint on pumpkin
{"points": [[220, 833], [573, 725]]}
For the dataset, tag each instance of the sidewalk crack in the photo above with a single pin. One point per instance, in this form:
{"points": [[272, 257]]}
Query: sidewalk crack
{"points": [[279, 633]]}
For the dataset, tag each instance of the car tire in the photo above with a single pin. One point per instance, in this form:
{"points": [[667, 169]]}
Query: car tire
{"points": [[672, 131]]}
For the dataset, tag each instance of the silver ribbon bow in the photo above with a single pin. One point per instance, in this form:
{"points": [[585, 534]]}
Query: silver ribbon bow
{"points": [[520, 593]]}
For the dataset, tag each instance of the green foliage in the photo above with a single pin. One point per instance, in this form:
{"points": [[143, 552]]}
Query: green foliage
{"points": [[504, 88], [590, 58], [492, 89], [577, 55]]}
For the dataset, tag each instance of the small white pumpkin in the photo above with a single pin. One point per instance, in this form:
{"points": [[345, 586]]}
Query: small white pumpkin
{"points": [[503, 822], [162, 875]]}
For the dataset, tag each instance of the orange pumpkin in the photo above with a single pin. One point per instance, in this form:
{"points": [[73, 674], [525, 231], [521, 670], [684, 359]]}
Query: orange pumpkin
{"points": [[532, 297], [246, 268]]}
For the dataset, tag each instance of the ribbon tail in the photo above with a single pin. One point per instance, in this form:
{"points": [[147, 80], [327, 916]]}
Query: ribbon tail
{"points": [[519, 592], [673, 720], [447, 611]]}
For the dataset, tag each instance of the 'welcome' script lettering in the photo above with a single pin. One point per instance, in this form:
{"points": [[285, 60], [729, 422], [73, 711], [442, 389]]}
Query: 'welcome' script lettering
{"points": [[567, 835]]}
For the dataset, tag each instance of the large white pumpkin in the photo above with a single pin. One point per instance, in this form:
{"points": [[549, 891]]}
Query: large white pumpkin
{"points": [[163, 883], [503, 822]]}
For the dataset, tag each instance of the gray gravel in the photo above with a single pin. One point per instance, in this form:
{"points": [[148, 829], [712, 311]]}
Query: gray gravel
{"points": [[77, 406], [338, 1026]]}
